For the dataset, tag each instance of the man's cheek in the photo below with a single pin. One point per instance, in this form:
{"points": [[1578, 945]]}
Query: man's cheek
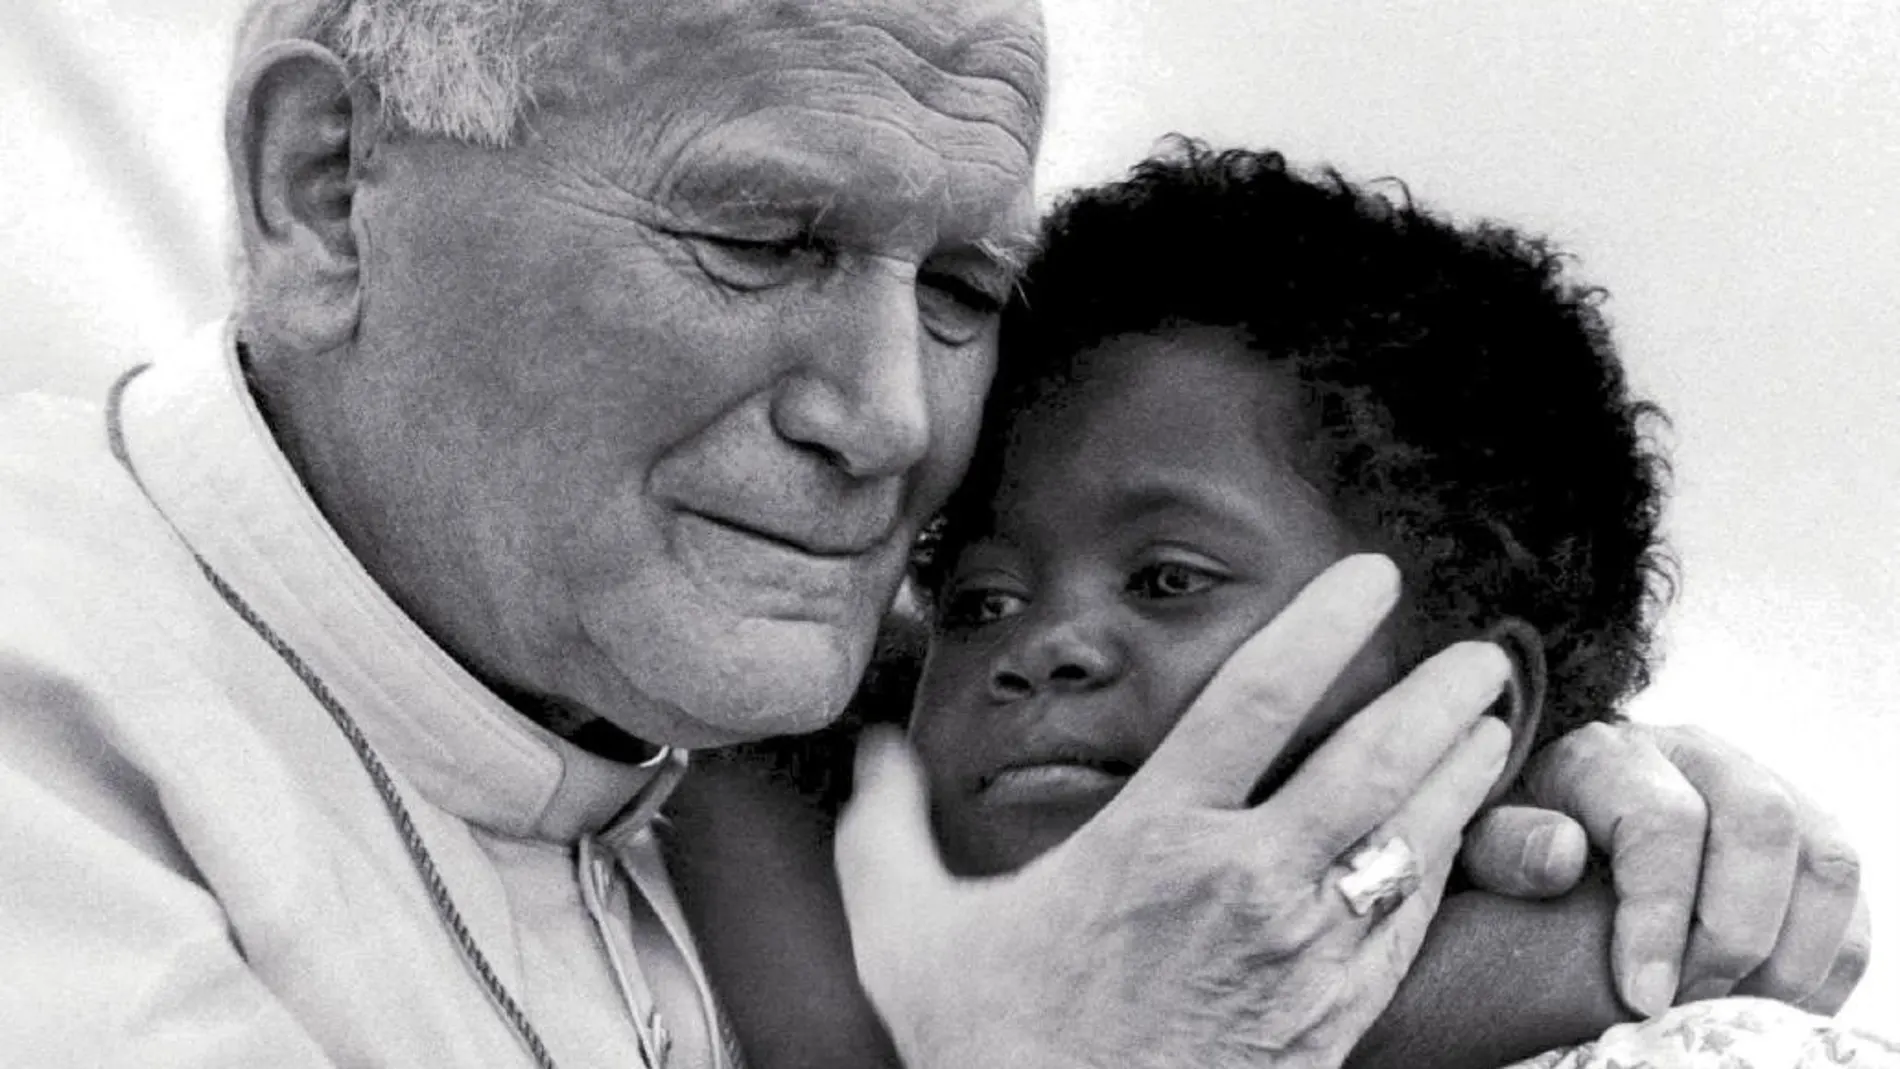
{"points": [[958, 384]]}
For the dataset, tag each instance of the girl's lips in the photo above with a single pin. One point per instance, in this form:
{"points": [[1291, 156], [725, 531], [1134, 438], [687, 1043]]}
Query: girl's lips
{"points": [[1054, 783]]}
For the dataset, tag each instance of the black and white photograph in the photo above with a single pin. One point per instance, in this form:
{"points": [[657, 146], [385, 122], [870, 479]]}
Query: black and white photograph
{"points": [[931, 534]]}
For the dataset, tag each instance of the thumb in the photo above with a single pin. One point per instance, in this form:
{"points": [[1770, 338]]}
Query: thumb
{"points": [[888, 866], [1523, 852]]}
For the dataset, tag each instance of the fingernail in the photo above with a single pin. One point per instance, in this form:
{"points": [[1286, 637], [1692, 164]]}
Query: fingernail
{"points": [[1654, 989], [1540, 852], [1563, 853]]}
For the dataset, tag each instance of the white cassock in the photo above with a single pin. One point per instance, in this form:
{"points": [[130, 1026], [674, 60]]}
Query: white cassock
{"points": [[197, 866]]}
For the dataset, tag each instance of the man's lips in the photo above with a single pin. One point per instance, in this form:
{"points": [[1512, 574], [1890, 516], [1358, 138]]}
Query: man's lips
{"points": [[834, 544], [762, 573]]}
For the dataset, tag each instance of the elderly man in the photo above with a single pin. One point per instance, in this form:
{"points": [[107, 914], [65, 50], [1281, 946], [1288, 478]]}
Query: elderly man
{"points": [[596, 364]]}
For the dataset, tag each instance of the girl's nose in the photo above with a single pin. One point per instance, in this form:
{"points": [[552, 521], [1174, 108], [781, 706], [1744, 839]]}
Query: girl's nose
{"points": [[1062, 656]]}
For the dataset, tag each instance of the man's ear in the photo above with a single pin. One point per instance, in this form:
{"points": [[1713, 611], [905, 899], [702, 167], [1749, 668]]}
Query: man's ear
{"points": [[299, 131], [1522, 706]]}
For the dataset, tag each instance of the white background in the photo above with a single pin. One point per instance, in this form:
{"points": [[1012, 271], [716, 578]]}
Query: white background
{"points": [[1726, 169]]}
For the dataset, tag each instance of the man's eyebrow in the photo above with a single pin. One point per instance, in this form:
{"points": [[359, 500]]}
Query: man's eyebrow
{"points": [[786, 185], [755, 184], [1011, 250]]}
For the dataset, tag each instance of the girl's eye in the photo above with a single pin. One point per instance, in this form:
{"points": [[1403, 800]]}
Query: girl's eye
{"points": [[976, 606], [1171, 579]]}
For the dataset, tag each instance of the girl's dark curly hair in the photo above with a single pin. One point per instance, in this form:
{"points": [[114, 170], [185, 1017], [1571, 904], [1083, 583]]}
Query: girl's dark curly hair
{"points": [[1468, 412]]}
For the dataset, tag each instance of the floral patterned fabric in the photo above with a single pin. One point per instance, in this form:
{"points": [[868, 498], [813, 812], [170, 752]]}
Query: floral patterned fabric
{"points": [[1733, 1033]]}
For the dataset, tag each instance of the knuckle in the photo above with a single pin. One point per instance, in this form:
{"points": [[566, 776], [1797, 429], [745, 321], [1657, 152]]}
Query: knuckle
{"points": [[1672, 812], [1852, 961], [1733, 951], [1568, 761], [1195, 866], [1386, 752], [1680, 807], [1293, 931], [1165, 839], [1383, 778], [1703, 739], [1781, 981], [1286, 1019], [1765, 814], [1844, 974], [1251, 921], [1268, 694], [1663, 912], [1833, 864], [1214, 891], [1596, 736], [1693, 736], [1581, 748]]}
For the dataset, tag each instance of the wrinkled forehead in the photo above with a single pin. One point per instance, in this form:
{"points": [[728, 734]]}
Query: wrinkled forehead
{"points": [[983, 59], [772, 105]]}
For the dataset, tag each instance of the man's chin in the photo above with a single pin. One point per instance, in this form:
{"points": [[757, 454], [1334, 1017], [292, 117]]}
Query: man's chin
{"points": [[755, 679]]}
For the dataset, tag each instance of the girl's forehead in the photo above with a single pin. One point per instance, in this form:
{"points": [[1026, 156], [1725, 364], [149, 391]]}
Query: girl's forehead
{"points": [[1189, 424], [1171, 374], [1182, 401]]}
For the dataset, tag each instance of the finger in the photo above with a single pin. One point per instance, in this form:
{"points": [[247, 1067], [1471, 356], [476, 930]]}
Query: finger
{"points": [[1525, 852], [1749, 864], [1379, 758], [888, 866], [1259, 698], [1391, 946], [1636, 807], [1850, 964], [1430, 823], [1820, 914], [1433, 819]]}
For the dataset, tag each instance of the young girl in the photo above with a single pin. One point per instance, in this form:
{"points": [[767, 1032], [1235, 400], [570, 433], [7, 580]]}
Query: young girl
{"points": [[1221, 378]]}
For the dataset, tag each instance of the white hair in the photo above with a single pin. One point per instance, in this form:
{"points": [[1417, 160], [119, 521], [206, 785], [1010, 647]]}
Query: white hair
{"points": [[462, 69]]}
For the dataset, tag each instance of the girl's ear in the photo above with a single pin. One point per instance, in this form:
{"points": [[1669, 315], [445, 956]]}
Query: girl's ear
{"points": [[1522, 706]]}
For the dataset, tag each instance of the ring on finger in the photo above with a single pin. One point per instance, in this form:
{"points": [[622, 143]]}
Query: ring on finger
{"points": [[1379, 878]]}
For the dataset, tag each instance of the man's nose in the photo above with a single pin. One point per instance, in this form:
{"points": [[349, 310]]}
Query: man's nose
{"points": [[858, 395], [1063, 656]]}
